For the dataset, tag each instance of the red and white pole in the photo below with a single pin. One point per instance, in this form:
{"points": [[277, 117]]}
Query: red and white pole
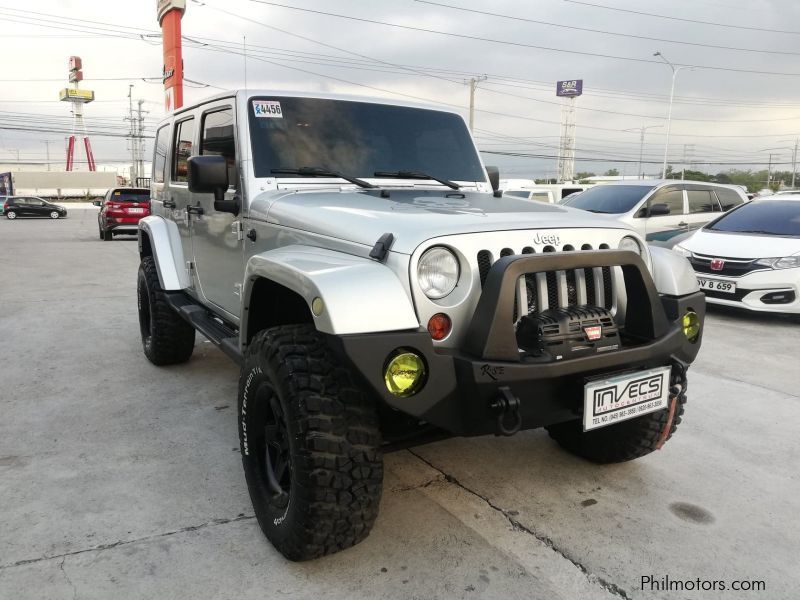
{"points": [[170, 13]]}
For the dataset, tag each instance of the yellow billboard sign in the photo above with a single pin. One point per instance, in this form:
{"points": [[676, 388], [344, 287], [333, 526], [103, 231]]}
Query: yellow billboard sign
{"points": [[73, 95]]}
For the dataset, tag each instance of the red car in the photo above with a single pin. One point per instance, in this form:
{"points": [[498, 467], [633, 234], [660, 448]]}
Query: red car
{"points": [[121, 210]]}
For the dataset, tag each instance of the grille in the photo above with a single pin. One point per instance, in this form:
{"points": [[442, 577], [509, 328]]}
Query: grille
{"points": [[555, 289], [734, 267]]}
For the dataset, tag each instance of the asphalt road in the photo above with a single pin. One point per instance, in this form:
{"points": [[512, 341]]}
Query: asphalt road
{"points": [[119, 479]]}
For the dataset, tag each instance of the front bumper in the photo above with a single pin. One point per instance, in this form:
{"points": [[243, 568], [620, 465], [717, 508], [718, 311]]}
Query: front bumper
{"points": [[463, 384], [772, 291]]}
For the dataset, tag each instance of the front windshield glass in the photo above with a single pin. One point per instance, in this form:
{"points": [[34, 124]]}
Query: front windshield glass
{"points": [[764, 217], [613, 199], [359, 139]]}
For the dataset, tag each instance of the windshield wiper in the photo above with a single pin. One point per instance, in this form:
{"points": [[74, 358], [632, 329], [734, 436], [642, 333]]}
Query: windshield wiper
{"points": [[318, 172], [761, 231], [416, 175]]}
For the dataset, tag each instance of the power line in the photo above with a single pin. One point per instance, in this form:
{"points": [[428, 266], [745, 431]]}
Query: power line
{"points": [[603, 32], [517, 44], [646, 14]]}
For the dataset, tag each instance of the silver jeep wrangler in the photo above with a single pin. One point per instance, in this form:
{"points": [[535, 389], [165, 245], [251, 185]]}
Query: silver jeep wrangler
{"points": [[356, 259]]}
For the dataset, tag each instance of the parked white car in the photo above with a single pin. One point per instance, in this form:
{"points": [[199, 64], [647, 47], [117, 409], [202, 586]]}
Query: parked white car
{"points": [[750, 257], [659, 209]]}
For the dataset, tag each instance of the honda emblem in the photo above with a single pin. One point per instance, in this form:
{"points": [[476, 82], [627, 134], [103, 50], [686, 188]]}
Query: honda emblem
{"points": [[717, 264], [593, 333]]}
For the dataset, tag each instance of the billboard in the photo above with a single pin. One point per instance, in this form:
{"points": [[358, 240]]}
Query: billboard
{"points": [[73, 95], [6, 184], [569, 88]]}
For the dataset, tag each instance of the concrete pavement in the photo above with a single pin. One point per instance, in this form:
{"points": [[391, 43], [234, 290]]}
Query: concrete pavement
{"points": [[121, 479]]}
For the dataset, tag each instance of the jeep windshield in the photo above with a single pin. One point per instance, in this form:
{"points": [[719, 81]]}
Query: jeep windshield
{"points": [[359, 139], [609, 199]]}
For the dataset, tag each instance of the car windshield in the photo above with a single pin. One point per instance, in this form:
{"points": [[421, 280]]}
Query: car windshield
{"points": [[130, 195], [763, 217], [359, 139], [612, 199]]}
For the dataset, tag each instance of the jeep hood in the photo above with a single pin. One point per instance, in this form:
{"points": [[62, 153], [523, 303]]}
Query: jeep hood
{"points": [[416, 215]]}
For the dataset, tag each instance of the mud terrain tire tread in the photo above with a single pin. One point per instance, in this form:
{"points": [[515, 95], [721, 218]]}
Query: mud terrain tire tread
{"points": [[170, 339], [622, 442], [334, 441]]}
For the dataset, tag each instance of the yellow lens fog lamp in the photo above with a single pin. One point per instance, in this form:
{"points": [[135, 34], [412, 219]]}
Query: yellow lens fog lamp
{"points": [[405, 373], [691, 325]]}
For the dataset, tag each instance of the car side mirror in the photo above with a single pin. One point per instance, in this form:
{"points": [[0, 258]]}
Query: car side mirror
{"points": [[209, 175], [98, 203], [494, 179], [659, 210]]}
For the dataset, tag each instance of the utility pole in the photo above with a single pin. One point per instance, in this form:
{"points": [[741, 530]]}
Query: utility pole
{"points": [[641, 129], [794, 160], [139, 141], [690, 149], [47, 152], [133, 140], [473, 84], [769, 168]]}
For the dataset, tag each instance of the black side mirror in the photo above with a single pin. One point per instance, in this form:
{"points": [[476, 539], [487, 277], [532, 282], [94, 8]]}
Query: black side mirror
{"points": [[209, 175], [659, 210], [494, 179], [98, 203]]}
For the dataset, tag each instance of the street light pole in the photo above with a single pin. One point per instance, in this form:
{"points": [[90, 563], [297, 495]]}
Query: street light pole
{"points": [[669, 112], [641, 129]]}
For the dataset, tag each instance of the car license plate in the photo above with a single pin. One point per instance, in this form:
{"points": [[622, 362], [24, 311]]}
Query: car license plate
{"points": [[610, 401], [717, 285], [136, 211]]}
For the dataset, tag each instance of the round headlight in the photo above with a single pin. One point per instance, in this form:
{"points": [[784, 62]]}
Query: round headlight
{"points": [[437, 272], [629, 243]]}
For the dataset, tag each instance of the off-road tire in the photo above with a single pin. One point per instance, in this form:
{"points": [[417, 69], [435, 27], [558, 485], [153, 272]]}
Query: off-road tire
{"points": [[335, 465], [166, 338], [108, 236], [11, 215], [624, 441]]}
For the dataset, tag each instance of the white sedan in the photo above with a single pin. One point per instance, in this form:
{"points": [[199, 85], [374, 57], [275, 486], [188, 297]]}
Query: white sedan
{"points": [[750, 257]]}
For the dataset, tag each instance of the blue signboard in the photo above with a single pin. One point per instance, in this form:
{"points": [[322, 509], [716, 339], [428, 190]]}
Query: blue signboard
{"points": [[572, 87]]}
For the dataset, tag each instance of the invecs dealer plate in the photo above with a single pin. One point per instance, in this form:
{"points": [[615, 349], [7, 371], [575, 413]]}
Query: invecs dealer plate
{"points": [[610, 401]]}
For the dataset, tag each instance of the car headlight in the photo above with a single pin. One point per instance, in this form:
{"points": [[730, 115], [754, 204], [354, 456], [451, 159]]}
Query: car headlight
{"points": [[682, 251], [787, 262], [629, 243], [437, 272]]}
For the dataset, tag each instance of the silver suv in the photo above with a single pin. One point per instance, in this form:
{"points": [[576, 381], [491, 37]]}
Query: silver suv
{"points": [[659, 209], [357, 260]]}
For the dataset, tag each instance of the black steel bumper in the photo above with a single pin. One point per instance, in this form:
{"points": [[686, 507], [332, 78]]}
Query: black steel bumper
{"points": [[463, 384]]}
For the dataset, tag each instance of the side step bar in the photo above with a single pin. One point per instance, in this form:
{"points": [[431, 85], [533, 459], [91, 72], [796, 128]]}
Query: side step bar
{"points": [[217, 332]]}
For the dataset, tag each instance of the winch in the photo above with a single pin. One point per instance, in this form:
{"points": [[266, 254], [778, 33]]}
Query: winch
{"points": [[564, 333]]}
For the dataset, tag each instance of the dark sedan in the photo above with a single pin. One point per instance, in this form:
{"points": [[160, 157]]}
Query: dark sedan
{"points": [[29, 206]]}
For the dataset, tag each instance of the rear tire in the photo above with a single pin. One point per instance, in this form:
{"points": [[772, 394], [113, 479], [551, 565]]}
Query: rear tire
{"points": [[11, 215], [310, 444], [624, 441], [166, 338], [106, 235]]}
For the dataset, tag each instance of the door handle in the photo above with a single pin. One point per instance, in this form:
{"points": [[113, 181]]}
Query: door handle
{"points": [[168, 204], [195, 210]]}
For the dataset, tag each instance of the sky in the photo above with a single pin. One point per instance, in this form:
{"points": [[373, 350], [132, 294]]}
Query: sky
{"points": [[735, 97]]}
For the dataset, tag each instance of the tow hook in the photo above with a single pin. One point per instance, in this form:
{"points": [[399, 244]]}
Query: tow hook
{"points": [[507, 405]]}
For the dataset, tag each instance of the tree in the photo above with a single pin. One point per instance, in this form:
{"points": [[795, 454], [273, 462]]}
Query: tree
{"points": [[611, 173], [584, 175]]}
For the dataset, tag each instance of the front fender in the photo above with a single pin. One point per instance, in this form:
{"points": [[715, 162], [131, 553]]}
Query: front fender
{"points": [[359, 295], [672, 273], [165, 243]]}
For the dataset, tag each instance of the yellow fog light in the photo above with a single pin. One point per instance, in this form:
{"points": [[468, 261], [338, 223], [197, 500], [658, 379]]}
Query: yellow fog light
{"points": [[405, 374], [691, 325]]}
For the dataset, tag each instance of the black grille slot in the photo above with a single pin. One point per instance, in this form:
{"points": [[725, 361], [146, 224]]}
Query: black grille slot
{"points": [[552, 289], [484, 264], [591, 294], [607, 294], [572, 289]]}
